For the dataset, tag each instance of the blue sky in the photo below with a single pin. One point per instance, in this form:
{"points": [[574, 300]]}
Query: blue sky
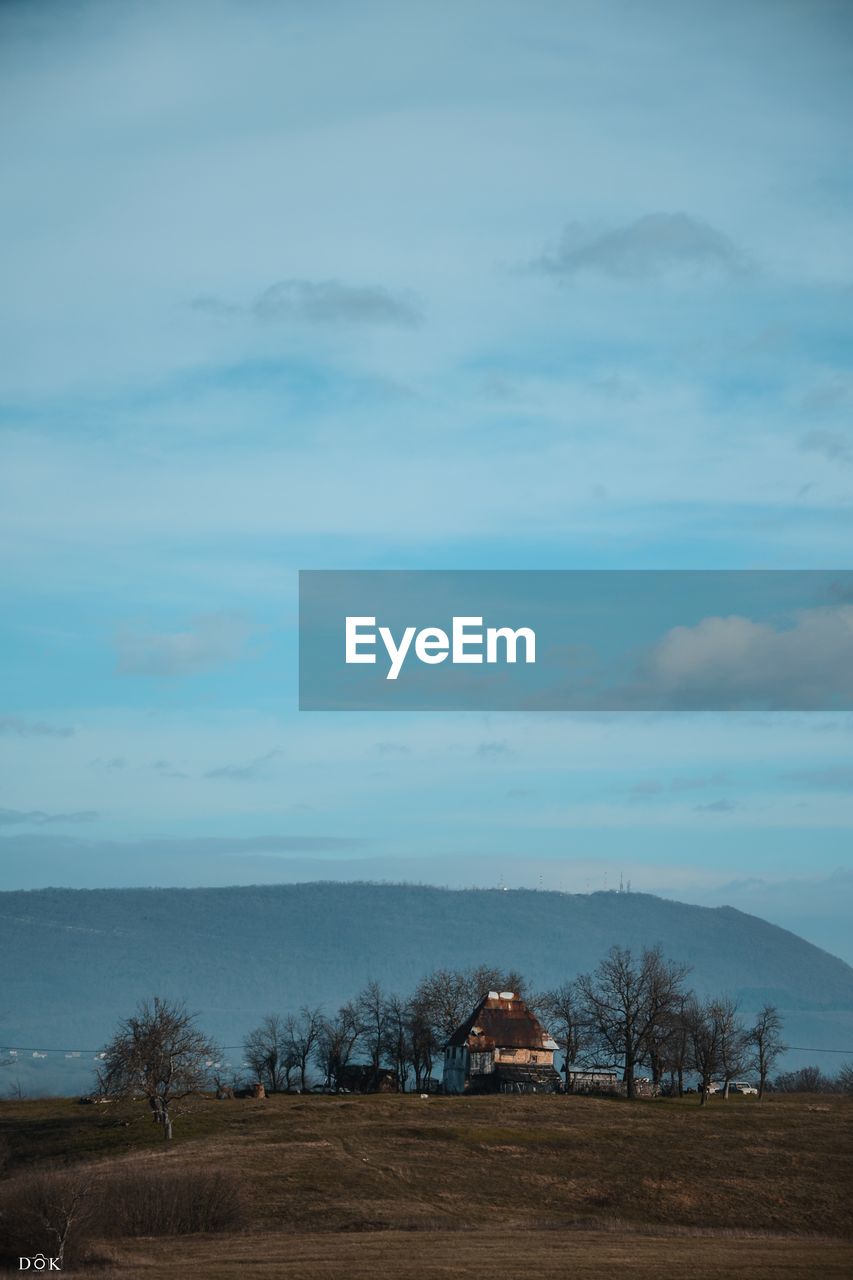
{"points": [[426, 286]]}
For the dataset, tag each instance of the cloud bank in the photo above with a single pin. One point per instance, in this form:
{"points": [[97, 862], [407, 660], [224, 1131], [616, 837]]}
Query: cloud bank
{"points": [[735, 662], [40, 818]]}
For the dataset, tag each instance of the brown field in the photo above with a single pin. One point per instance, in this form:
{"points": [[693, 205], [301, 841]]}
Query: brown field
{"points": [[552, 1186]]}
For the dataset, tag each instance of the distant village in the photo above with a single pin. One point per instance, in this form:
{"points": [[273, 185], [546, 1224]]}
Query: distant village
{"points": [[630, 1027]]}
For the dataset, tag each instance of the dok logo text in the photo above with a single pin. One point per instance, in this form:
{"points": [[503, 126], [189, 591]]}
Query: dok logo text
{"points": [[39, 1262]]}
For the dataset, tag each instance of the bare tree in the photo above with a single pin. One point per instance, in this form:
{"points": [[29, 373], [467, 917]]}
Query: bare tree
{"points": [[805, 1080], [445, 997], [442, 1000], [561, 1010], [159, 1054], [6, 1062], [423, 1043], [703, 1023], [845, 1077], [372, 1010], [398, 1040], [336, 1043], [266, 1050], [54, 1207], [765, 1036], [484, 978], [734, 1042], [670, 1048], [302, 1033], [626, 999], [666, 1048]]}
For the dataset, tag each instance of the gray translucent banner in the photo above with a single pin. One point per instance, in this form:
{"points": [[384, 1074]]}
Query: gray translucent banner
{"points": [[575, 640]]}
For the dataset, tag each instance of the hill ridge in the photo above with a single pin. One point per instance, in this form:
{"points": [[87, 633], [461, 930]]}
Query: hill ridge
{"points": [[80, 959]]}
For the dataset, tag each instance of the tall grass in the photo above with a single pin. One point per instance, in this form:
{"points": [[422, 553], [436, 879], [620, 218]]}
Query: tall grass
{"points": [[142, 1200]]}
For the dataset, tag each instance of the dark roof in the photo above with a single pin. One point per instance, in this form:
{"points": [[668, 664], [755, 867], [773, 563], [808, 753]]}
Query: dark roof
{"points": [[502, 1020]]}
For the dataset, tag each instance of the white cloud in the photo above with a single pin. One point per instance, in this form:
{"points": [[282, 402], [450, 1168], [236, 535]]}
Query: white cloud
{"points": [[214, 639], [733, 661]]}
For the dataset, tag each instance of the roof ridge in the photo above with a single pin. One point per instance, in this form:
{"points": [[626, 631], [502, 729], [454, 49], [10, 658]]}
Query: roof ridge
{"points": [[507, 1022]]}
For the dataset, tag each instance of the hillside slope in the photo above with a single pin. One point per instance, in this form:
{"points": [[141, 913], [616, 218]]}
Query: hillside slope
{"points": [[550, 1187], [77, 960]]}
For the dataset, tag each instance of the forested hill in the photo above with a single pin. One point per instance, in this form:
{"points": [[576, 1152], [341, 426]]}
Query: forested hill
{"points": [[76, 960]]}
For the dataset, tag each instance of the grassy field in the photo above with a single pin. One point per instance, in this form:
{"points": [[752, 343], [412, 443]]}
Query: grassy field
{"points": [[349, 1187]]}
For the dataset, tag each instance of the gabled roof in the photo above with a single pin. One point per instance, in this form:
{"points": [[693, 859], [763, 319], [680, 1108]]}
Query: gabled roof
{"points": [[501, 1020]]}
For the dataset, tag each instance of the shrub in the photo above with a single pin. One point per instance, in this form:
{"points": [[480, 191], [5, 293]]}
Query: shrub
{"points": [[61, 1212], [48, 1212], [805, 1080], [144, 1200]]}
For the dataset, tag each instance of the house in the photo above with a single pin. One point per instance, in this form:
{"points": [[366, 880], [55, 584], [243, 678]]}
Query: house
{"points": [[503, 1048]]}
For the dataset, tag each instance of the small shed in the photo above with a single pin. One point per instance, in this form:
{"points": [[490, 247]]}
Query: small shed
{"points": [[367, 1079], [593, 1081]]}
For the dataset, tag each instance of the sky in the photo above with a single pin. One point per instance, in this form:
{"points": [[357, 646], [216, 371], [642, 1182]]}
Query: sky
{"points": [[425, 286]]}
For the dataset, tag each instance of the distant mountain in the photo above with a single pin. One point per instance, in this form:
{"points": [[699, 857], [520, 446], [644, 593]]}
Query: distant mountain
{"points": [[77, 960]]}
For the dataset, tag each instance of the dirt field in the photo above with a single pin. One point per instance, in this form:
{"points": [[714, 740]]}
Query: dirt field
{"points": [[547, 1255], [552, 1186]]}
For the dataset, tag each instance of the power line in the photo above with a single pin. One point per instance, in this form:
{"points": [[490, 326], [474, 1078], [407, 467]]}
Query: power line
{"points": [[31, 1048], [801, 1048], [24, 1048]]}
